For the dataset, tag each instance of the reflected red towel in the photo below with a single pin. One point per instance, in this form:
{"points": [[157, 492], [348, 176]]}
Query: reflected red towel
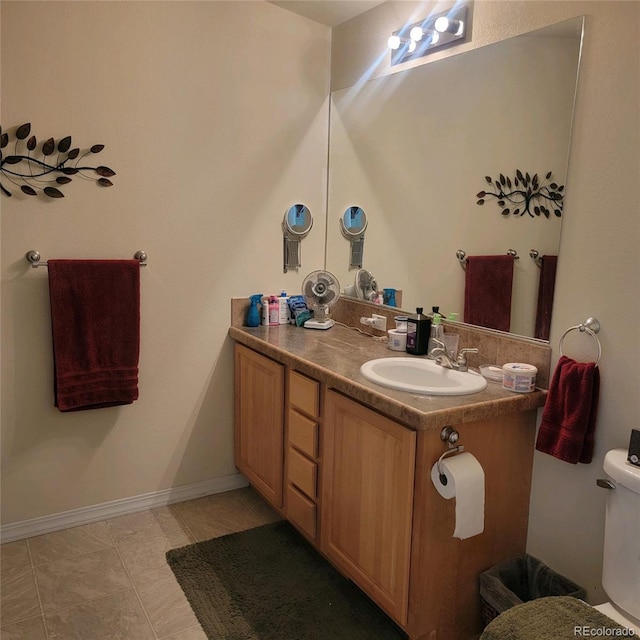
{"points": [[546, 289], [95, 318], [569, 416], [487, 293]]}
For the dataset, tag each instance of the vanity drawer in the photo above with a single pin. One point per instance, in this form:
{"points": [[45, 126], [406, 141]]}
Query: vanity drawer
{"points": [[304, 394], [301, 511], [303, 433], [302, 472]]}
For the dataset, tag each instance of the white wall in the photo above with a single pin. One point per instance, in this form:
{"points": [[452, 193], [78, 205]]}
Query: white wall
{"points": [[599, 270], [214, 116]]}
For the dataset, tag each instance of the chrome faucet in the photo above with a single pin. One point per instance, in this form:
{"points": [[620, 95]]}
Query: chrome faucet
{"points": [[444, 359]]}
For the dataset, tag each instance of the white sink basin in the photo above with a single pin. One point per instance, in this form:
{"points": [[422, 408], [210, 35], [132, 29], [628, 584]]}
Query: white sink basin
{"points": [[419, 375]]}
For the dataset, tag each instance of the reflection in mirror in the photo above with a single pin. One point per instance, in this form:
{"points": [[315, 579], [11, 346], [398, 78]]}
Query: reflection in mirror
{"points": [[414, 149], [353, 224], [364, 287], [296, 224]]}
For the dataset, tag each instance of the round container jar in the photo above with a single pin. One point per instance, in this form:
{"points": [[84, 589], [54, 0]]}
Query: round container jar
{"points": [[519, 377], [397, 340]]}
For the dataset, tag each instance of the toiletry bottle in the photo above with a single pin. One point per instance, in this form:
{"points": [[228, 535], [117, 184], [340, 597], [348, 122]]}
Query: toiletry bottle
{"points": [[418, 328], [265, 311], [379, 298], [283, 308], [274, 311], [389, 296], [253, 314], [436, 333]]}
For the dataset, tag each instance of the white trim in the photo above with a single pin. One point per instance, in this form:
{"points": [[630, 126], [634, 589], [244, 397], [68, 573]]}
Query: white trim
{"points": [[121, 507]]}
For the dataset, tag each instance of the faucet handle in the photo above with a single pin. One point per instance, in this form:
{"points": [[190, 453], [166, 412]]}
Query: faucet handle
{"points": [[461, 360]]}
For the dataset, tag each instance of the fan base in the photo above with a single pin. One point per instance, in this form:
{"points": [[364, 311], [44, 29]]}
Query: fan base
{"points": [[327, 323]]}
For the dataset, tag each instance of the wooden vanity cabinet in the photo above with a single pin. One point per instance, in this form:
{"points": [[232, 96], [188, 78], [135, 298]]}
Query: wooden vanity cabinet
{"points": [[259, 422], [358, 485], [367, 500]]}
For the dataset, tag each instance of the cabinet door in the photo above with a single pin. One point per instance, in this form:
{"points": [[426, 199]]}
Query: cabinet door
{"points": [[259, 421], [367, 500]]}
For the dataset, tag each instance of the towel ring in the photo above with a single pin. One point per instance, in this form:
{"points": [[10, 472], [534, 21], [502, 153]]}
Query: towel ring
{"points": [[590, 326]]}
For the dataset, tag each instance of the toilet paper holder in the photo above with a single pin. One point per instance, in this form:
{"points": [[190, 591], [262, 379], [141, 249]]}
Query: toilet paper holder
{"points": [[450, 436]]}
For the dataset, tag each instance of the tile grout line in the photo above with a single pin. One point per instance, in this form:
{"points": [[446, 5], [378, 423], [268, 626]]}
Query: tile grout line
{"points": [[182, 527], [135, 590], [133, 586], [35, 582]]}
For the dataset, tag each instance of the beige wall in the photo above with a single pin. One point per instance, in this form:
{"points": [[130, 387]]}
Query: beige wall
{"points": [[214, 116], [599, 271]]}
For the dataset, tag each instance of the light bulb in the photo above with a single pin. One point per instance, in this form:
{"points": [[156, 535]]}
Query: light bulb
{"points": [[412, 46], [416, 34], [435, 36], [394, 42], [441, 24], [444, 25]]}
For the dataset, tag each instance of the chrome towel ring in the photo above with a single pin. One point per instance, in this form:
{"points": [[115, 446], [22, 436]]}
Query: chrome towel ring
{"points": [[590, 326]]}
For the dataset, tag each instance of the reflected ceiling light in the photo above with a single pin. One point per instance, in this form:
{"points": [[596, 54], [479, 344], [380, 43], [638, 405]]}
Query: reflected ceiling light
{"points": [[436, 31]]}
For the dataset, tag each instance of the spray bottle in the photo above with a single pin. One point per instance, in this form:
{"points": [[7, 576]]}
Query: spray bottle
{"points": [[253, 313]]}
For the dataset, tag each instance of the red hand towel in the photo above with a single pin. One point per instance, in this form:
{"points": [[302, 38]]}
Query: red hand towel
{"points": [[569, 415], [95, 317], [487, 294], [546, 288]]}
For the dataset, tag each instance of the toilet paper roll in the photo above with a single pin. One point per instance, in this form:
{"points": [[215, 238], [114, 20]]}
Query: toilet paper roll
{"points": [[464, 481]]}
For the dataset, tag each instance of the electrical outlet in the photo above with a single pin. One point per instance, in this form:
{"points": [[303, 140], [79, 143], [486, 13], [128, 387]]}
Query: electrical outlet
{"points": [[376, 321], [379, 322]]}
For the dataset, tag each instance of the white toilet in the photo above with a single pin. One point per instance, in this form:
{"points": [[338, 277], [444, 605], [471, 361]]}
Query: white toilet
{"points": [[621, 559]]}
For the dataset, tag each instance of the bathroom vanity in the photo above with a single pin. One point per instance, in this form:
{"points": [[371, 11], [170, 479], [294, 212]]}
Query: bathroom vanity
{"points": [[348, 462]]}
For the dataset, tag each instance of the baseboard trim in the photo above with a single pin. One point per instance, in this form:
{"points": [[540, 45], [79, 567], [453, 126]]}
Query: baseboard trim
{"points": [[114, 508]]}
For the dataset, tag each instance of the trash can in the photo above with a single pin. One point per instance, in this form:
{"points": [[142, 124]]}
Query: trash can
{"points": [[519, 580]]}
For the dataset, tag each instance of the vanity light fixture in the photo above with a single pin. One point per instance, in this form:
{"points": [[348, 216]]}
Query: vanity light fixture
{"points": [[437, 31]]}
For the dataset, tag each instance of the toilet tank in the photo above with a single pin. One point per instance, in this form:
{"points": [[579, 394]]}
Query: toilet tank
{"points": [[621, 560]]}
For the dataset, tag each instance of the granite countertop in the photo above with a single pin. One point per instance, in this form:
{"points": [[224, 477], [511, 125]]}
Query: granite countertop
{"points": [[334, 357]]}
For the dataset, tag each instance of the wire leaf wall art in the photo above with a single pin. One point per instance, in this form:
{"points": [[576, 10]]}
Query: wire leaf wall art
{"points": [[525, 194], [35, 169]]}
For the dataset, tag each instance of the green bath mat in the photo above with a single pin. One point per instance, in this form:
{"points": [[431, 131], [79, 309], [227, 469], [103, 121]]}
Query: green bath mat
{"points": [[268, 583]]}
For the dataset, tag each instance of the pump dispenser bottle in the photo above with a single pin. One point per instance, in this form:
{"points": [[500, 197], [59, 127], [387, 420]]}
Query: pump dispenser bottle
{"points": [[437, 333], [418, 328]]}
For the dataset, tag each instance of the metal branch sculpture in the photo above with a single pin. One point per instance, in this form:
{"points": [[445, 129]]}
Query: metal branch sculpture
{"points": [[519, 196], [30, 173]]}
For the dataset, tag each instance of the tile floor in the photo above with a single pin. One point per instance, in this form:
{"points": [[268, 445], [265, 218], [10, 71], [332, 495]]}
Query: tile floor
{"points": [[110, 580]]}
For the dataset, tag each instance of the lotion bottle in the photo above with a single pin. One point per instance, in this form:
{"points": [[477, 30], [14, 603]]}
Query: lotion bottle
{"points": [[274, 311], [283, 309]]}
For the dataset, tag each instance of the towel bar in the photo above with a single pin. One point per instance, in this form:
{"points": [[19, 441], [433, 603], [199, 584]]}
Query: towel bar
{"points": [[590, 326], [462, 256], [33, 257]]}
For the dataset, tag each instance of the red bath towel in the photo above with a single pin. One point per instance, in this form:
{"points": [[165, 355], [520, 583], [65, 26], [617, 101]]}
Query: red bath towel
{"points": [[569, 415], [95, 317], [546, 288], [487, 293]]}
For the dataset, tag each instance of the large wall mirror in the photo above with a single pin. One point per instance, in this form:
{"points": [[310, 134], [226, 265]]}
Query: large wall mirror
{"points": [[413, 149]]}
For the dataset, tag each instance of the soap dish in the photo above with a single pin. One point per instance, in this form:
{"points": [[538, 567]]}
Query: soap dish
{"points": [[491, 372]]}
